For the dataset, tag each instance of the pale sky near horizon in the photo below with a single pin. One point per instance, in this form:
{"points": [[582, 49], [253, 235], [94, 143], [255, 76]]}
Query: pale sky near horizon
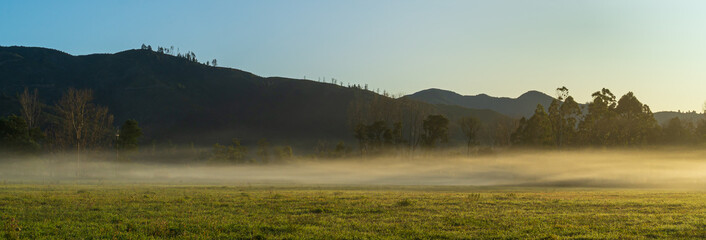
{"points": [[656, 49]]}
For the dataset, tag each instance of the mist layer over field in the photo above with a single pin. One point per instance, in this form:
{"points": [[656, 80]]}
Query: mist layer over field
{"points": [[604, 168]]}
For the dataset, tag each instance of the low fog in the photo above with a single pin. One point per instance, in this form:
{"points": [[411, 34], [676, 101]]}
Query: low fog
{"points": [[596, 168]]}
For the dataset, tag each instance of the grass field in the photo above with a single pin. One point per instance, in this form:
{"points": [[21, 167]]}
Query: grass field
{"points": [[346, 212]]}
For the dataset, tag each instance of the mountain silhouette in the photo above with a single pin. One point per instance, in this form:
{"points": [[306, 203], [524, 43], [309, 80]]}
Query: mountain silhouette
{"points": [[522, 106], [180, 101]]}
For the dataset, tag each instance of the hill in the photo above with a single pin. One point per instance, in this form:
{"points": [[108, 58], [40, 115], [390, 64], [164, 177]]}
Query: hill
{"points": [[181, 101], [522, 106], [664, 117]]}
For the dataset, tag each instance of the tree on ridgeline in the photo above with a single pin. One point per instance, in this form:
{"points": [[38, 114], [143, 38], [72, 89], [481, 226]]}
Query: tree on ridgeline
{"points": [[470, 126], [435, 131]]}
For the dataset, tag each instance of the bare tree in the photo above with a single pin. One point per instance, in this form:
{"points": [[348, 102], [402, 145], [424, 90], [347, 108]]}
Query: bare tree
{"points": [[412, 114], [470, 127], [81, 124], [31, 107], [503, 131]]}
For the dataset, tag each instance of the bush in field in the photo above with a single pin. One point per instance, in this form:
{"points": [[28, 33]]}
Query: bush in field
{"points": [[325, 150], [235, 153], [16, 136], [284, 153]]}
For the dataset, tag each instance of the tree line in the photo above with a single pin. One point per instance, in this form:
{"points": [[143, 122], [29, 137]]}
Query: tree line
{"points": [[378, 124], [604, 122], [74, 123], [381, 124], [189, 56]]}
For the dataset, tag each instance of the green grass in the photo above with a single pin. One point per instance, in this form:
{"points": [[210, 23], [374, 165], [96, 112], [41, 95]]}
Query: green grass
{"points": [[242, 212]]}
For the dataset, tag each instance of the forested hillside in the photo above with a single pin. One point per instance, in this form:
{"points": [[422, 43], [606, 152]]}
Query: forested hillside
{"points": [[178, 100]]}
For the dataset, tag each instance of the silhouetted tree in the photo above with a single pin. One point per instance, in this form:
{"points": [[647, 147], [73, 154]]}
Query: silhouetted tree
{"points": [[678, 132], [394, 138], [597, 125], [470, 127], [636, 124], [700, 130], [129, 132], [536, 131], [413, 116], [361, 134], [436, 130], [378, 136], [31, 108], [500, 132], [564, 113], [81, 124]]}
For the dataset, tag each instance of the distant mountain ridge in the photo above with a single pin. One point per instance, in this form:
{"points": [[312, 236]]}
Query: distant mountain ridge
{"points": [[522, 106], [691, 117], [180, 101]]}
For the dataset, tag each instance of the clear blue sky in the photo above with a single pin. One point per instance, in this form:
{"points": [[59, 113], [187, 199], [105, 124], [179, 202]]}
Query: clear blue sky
{"points": [[657, 49]]}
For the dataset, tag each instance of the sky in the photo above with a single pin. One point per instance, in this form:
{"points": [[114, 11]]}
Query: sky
{"points": [[656, 49]]}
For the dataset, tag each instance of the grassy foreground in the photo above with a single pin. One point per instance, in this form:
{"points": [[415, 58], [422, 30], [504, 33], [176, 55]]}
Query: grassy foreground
{"points": [[242, 212]]}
